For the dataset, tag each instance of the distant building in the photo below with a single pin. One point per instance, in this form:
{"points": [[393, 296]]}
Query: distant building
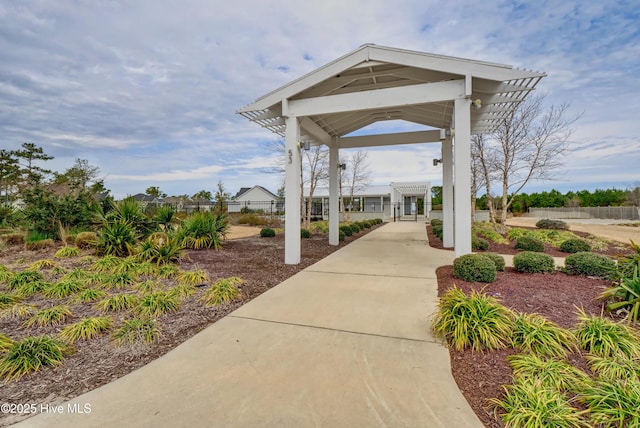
{"points": [[255, 198]]}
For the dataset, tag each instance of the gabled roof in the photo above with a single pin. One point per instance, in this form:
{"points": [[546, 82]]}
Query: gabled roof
{"points": [[373, 68], [244, 190]]}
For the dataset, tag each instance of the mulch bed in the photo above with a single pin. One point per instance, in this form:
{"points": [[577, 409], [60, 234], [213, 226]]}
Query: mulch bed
{"points": [[480, 376], [258, 261]]}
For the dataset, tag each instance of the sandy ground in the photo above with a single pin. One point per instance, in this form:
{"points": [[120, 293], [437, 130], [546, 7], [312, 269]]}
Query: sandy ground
{"points": [[605, 228], [236, 232]]}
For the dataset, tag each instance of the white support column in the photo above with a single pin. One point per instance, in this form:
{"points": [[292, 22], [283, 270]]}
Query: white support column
{"points": [[428, 203], [462, 197], [293, 163], [334, 211], [447, 193]]}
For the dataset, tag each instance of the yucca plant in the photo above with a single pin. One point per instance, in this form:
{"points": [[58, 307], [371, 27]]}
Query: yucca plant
{"points": [[65, 252], [129, 211], [193, 277], [605, 338], [551, 373], [51, 316], [42, 265], [86, 328], [117, 238], [62, 289], [136, 331], [535, 333], [24, 277], [477, 321], [158, 303], [88, 295], [224, 290], [31, 354], [118, 302], [17, 311], [5, 343], [614, 368], [625, 295], [613, 403], [203, 230], [165, 217], [528, 404]]}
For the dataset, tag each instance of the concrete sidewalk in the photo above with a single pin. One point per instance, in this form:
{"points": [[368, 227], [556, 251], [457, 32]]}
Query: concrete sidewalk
{"points": [[344, 343]]}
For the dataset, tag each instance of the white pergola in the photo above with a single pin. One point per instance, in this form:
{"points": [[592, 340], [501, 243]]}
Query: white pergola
{"points": [[459, 97]]}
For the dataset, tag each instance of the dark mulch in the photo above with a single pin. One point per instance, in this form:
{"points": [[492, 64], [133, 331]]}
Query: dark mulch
{"points": [[258, 261], [556, 296]]}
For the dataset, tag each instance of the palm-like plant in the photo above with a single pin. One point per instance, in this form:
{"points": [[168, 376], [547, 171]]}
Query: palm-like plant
{"points": [[117, 238], [165, 217], [129, 211], [626, 294], [159, 248], [203, 230]]}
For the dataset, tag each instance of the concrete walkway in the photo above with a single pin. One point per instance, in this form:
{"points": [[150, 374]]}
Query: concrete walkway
{"points": [[344, 343]]}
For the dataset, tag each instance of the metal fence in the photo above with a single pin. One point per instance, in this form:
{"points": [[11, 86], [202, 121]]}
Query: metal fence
{"points": [[612, 213]]}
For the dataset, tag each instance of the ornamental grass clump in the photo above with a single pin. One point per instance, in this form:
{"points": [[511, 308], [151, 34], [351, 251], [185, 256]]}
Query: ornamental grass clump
{"points": [[536, 334], [88, 295], [17, 311], [158, 303], [51, 316], [552, 373], [530, 262], [62, 289], [65, 252], [85, 329], [605, 338], [118, 302], [224, 290], [24, 277], [589, 264], [612, 404], [193, 277], [477, 321], [42, 264], [474, 268], [527, 404], [5, 343], [31, 354], [136, 332], [614, 368]]}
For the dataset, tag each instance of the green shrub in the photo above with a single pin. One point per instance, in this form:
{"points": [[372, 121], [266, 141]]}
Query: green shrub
{"points": [[267, 232], [355, 227], [497, 259], [367, 224], [479, 243], [530, 262], [341, 235], [487, 231], [203, 230], [436, 222], [528, 243], [304, 233], [477, 321], [30, 354], [590, 264], [552, 224], [474, 268], [347, 230], [85, 240], [574, 245], [438, 231], [39, 245]]}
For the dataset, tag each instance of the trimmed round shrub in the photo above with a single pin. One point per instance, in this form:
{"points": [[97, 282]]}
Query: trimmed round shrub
{"points": [[474, 268], [341, 235], [436, 222], [355, 227], [267, 232], [304, 233], [347, 230], [86, 240], [479, 243], [546, 223], [590, 264], [575, 245], [438, 231], [367, 224], [531, 262], [528, 243], [497, 259]]}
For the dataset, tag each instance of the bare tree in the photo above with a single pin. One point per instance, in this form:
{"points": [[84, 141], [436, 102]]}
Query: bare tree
{"points": [[316, 168], [528, 144], [633, 194], [356, 175], [478, 171]]}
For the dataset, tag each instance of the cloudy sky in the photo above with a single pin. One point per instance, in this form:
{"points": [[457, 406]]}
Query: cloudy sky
{"points": [[147, 90]]}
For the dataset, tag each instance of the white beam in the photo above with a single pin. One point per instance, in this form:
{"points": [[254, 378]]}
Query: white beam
{"points": [[389, 139], [376, 99], [334, 212], [315, 131], [293, 163], [462, 179]]}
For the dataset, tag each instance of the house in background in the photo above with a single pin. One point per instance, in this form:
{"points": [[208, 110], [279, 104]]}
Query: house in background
{"points": [[255, 198], [395, 200]]}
